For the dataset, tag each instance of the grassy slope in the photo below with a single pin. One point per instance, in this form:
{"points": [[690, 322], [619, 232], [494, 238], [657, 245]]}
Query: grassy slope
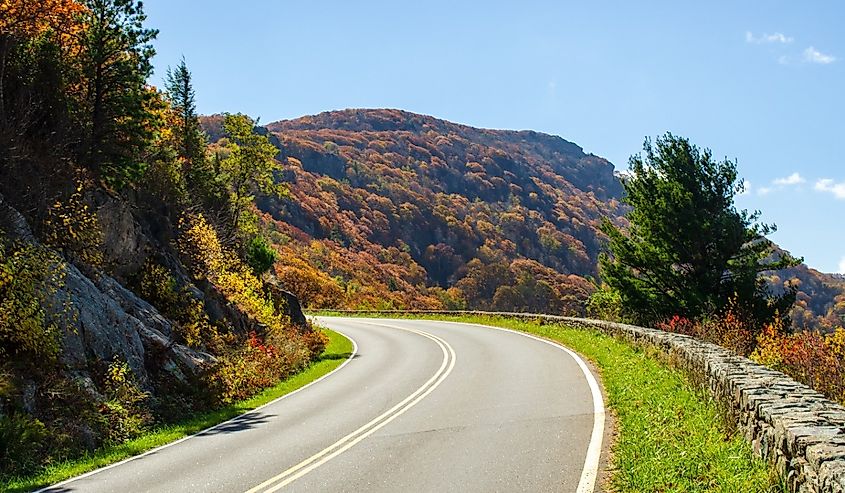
{"points": [[670, 436], [337, 351]]}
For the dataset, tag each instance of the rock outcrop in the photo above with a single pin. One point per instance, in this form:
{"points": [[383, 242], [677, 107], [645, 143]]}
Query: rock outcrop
{"points": [[102, 321]]}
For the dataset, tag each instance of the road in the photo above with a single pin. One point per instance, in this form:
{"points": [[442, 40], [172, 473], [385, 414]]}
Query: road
{"points": [[421, 406]]}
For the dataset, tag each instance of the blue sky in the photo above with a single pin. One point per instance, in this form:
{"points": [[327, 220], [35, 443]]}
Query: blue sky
{"points": [[757, 81]]}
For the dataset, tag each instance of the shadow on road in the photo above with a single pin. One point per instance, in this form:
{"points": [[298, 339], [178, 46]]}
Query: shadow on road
{"points": [[337, 356], [241, 423]]}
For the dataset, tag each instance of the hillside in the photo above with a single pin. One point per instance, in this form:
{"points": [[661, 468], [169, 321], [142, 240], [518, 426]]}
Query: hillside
{"points": [[132, 293], [394, 209], [820, 301]]}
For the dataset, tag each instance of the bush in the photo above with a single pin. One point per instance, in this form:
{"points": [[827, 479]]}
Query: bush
{"points": [[22, 443], [728, 329], [158, 287], [315, 341], [222, 268], [606, 304], [260, 255], [259, 363], [28, 277], [125, 408], [810, 357], [73, 228]]}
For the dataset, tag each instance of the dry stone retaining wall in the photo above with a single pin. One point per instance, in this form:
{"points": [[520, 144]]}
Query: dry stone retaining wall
{"points": [[794, 427]]}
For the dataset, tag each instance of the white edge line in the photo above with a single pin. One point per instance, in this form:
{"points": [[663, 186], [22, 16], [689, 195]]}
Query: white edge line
{"points": [[176, 442], [591, 463]]}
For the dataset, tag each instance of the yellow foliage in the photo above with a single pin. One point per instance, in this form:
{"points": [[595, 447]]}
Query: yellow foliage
{"points": [[28, 275], [211, 261], [769, 348], [71, 226]]}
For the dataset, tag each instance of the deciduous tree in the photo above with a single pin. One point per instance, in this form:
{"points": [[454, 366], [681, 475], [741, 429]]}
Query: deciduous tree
{"points": [[249, 166]]}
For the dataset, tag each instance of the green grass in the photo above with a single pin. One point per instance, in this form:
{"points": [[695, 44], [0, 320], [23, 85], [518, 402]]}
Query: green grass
{"points": [[670, 435], [337, 351]]}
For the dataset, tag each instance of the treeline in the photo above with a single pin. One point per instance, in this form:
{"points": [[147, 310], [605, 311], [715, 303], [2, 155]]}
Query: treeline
{"points": [[110, 183]]}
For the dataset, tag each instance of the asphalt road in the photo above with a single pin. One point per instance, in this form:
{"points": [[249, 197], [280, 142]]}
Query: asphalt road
{"points": [[422, 406]]}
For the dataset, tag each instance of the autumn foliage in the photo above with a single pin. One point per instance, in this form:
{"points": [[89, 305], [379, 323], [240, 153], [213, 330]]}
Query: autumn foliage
{"points": [[810, 357], [389, 209]]}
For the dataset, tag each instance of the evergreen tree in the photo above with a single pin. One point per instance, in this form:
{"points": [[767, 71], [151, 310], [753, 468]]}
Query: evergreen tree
{"points": [[688, 250], [180, 93], [115, 64]]}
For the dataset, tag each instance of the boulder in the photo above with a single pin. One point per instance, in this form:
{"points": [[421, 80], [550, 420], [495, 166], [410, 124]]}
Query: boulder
{"points": [[287, 303]]}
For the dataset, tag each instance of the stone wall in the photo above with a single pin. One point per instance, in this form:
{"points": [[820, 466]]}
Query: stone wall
{"points": [[787, 423]]}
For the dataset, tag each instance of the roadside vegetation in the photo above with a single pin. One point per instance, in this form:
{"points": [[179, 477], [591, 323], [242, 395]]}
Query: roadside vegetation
{"points": [[337, 351], [135, 276], [670, 435], [690, 262]]}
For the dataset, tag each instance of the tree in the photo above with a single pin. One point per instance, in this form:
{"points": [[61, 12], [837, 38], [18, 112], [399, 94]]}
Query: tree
{"points": [[688, 250], [116, 63], [249, 166], [260, 255], [180, 93]]}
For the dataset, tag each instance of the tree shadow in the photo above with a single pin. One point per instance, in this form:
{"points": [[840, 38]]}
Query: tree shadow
{"points": [[336, 356], [244, 422]]}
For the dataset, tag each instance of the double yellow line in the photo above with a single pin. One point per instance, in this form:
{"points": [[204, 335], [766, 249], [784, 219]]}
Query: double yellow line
{"points": [[290, 475]]}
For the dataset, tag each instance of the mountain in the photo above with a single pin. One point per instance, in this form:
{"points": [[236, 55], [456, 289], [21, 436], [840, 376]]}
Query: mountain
{"points": [[820, 301], [393, 209]]}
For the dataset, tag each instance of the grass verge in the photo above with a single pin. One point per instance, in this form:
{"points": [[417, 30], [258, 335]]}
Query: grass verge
{"points": [[671, 437], [336, 352]]}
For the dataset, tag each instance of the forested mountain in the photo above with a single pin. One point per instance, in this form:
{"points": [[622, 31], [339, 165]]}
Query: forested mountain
{"points": [[820, 301], [393, 209]]}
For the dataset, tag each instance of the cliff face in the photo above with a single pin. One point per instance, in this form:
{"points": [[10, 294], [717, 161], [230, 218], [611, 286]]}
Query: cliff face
{"points": [[91, 361], [99, 319]]}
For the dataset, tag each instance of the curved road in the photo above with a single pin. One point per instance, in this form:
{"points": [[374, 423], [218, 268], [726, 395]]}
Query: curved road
{"points": [[422, 406]]}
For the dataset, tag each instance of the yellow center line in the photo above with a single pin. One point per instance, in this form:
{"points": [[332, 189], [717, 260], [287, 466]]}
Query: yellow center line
{"points": [[350, 440]]}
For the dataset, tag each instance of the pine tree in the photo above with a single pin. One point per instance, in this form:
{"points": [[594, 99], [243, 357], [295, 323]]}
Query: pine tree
{"points": [[688, 250], [180, 93], [116, 63]]}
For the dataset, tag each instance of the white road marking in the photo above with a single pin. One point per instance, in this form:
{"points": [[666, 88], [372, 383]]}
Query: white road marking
{"points": [[210, 428], [589, 473], [292, 474]]}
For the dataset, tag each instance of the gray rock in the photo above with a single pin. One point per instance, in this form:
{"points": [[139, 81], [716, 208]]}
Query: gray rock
{"points": [[124, 244]]}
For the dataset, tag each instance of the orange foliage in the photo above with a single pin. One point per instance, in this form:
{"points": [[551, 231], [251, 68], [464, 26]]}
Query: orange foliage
{"points": [[404, 204], [31, 18], [810, 357]]}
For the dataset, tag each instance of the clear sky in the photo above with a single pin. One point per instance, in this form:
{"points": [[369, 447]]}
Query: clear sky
{"points": [[757, 81]]}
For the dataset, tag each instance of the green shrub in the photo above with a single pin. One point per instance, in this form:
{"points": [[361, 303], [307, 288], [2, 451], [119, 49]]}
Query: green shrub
{"points": [[28, 276], [606, 304], [22, 442], [260, 255]]}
